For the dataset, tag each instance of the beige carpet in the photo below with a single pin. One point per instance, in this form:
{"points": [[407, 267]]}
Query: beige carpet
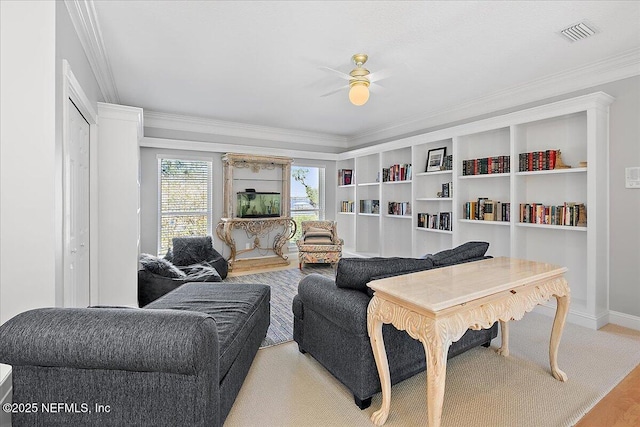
{"points": [[286, 388]]}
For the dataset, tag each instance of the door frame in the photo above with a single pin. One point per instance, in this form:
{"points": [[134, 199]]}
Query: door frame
{"points": [[71, 89]]}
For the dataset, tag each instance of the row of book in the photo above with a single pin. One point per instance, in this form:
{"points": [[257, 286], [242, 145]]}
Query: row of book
{"points": [[486, 165], [569, 213], [447, 163], [485, 209], [370, 206], [399, 172], [537, 160], [345, 177], [447, 189], [347, 206], [438, 221], [399, 208]]}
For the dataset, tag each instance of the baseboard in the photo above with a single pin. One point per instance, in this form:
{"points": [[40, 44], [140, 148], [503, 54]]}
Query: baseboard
{"points": [[5, 394], [626, 320], [576, 318]]}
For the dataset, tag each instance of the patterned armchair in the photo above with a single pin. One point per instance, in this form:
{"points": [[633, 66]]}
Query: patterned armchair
{"points": [[319, 243]]}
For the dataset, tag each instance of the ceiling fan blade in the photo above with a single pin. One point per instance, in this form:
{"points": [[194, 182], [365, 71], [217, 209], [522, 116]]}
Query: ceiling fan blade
{"points": [[336, 72], [380, 75], [385, 73], [335, 91], [376, 88]]}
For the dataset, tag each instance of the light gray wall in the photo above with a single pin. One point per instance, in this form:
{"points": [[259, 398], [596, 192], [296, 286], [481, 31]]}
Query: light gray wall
{"points": [[624, 151], [149, 194]]}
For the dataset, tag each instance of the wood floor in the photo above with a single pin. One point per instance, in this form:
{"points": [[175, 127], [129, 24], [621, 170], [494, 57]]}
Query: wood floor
{"points": [[621, 407]]}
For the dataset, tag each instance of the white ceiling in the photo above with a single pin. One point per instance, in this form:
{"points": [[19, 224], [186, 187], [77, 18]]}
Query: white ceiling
{"points": [[258, 62]]}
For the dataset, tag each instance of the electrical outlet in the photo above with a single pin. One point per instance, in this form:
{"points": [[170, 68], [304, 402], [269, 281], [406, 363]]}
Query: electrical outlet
{"points": [[632, 177]]}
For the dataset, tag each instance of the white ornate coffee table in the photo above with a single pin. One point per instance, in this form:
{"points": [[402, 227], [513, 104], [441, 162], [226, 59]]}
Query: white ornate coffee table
{"points": [[437, 307]]}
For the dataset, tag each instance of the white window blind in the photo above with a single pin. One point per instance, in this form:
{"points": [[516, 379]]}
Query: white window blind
{"points": [[185, 200]]}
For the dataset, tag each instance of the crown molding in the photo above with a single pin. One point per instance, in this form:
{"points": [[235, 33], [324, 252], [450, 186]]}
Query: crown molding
{"points": [[123, 113], [157, 120], [611, 69], [215, 147], [85, 21]]}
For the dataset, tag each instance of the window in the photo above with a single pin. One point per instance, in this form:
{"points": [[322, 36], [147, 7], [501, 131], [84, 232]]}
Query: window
{"points": [[185, 200], [307, 195]]}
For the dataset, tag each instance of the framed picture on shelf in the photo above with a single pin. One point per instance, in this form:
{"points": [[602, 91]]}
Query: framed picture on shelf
{"points": [[435, 159]]}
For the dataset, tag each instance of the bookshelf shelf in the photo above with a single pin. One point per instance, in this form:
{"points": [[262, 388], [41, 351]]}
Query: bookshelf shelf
{"points": [[478, 221], [552, 227], [552, 172], [406, 181], [346, 213], [347, 186], [448, 172], [434, 230], [485, 175], [577, 127]]}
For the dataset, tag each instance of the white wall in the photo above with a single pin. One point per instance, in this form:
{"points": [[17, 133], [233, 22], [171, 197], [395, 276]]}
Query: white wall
{"points": [[27, 156], [119, 130]]}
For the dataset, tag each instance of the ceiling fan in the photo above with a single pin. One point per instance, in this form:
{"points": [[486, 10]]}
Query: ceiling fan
{"points": [[360, 80]]}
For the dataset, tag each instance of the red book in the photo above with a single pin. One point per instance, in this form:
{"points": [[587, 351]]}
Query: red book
{"points": [[552, 159]]}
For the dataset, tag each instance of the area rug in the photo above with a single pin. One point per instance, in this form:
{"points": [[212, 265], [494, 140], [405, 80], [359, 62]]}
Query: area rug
{"points": [[287, 388], [284, 286]]}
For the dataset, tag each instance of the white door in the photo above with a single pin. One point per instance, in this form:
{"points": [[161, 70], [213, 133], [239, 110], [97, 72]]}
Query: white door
{"points": [[76, 288]]}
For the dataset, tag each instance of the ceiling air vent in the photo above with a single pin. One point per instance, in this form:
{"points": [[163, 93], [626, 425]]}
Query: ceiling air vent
{"points": [[578, 32]]}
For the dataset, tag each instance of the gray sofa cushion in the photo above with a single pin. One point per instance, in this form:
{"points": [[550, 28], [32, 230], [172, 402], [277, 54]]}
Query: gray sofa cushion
{"points": [[462, 253], [355, 273], [192, 250], [160, 266], [236, 308]]}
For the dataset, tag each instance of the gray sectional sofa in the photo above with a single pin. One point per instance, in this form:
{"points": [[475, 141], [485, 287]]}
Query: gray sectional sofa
{"points": [[180, 361], [330, 320]]}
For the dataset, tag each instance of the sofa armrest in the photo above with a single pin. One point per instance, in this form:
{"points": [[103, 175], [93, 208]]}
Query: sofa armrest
{"points": [[169, 341], [346, 308]]}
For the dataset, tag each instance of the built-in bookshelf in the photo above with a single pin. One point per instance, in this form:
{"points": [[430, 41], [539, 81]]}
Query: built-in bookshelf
{"points": [[494, 161]]}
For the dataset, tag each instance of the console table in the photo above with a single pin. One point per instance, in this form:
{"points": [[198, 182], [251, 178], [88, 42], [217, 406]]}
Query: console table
{"points": [[437, 306], [268, 173], [257, 228]]}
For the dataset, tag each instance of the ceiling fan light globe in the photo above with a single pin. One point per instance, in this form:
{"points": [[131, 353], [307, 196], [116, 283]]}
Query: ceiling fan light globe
{"points": [[359, 94]]}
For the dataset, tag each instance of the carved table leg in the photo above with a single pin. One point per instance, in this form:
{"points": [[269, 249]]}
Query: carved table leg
{"points": [[504, 333], [556, 333], [436, 350], [380, 355]]}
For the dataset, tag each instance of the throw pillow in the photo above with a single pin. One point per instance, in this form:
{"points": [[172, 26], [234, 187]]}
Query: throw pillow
{"points": [[318, 241], [317, 230], [201, 273], [355, 273], [169, 255], [317, 234], [459, 254], [192, 250], [219, 263], [160, 266]]}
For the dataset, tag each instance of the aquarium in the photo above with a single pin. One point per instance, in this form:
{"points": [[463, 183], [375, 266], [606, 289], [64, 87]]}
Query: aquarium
{"points": [[258, 205]]}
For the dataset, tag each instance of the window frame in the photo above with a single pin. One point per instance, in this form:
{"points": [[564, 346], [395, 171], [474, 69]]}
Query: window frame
{"points": [[322, 205], [208, 213]]}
